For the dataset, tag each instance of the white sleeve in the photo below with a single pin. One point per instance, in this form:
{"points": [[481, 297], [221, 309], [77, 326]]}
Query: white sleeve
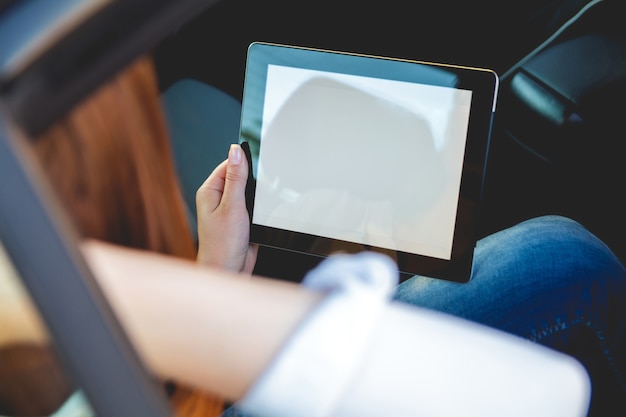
{"points": [[314, 368], [357, 354]]}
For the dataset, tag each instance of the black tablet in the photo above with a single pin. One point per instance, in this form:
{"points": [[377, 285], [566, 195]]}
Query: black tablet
{"points": [[352, 152]]}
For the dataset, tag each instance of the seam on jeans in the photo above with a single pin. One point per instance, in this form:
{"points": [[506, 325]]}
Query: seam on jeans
{"points": [[560, 326]]}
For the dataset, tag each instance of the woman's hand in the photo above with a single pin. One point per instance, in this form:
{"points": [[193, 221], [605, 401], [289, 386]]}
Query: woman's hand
{"points": [[223, 222]]}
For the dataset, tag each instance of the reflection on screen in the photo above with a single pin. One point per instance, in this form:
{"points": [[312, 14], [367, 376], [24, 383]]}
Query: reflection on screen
{"points": [[32, 381], [365, 160]]}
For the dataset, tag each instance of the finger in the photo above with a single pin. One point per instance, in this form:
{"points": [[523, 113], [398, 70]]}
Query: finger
{"points": [[236, 177], [209, 194]]}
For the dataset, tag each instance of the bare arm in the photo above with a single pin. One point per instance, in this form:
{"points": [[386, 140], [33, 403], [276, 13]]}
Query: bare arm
{"points": [[196, 324], [269, 342]]}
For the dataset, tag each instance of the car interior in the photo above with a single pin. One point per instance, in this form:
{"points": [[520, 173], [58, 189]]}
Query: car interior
{"points": [[555, 143]]}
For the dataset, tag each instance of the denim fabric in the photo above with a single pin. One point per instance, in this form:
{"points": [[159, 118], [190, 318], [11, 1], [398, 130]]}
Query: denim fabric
{"points": [[549, 280]]}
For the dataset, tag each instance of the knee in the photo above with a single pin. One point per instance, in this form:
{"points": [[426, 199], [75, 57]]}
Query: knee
{"points": [[549, 245]]}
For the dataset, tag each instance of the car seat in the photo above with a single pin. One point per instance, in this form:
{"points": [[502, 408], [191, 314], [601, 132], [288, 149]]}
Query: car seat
{"points": [[202, 121]]}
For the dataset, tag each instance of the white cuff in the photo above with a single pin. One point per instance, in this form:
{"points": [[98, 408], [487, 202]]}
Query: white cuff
{"points": [[316, 365]]}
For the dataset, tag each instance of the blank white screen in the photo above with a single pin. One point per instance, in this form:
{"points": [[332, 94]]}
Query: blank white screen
{"points": [[366, 160]]}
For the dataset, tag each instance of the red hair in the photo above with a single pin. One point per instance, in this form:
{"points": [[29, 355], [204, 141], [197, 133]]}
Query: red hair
{"points": [[110, 162]]}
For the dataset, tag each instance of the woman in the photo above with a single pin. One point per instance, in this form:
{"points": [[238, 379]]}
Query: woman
{"points": [[269, 326]]}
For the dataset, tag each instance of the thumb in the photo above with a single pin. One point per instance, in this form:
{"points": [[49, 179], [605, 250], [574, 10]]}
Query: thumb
{"points": [[236, 176]]}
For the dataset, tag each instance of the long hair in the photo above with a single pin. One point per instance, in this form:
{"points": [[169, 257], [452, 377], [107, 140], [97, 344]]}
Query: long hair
{"points": [[110, 162]]}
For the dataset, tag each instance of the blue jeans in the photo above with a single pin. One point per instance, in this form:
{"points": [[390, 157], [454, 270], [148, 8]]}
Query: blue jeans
{"points": [[551, 281]]}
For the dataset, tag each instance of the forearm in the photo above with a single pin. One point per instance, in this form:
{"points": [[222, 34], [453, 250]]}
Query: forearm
{"points": [[197, 325]]}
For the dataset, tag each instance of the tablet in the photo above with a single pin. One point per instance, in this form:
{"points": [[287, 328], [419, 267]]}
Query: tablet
{"points": [[351, 152]]}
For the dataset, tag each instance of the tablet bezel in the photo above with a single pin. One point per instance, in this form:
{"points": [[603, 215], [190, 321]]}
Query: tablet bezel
{"points": [[484, 86]]}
